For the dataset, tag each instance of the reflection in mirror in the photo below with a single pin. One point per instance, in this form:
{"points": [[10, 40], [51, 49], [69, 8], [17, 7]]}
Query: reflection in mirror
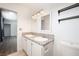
{"points": [[45, 22]]}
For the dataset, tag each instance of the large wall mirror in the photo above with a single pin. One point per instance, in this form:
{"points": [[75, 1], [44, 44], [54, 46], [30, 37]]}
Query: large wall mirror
{"points": [[45, 21]]}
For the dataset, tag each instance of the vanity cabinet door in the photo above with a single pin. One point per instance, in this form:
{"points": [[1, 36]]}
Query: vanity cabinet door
{"points": [[28, 47], [24, 41], [24, 45], [36, 49]]}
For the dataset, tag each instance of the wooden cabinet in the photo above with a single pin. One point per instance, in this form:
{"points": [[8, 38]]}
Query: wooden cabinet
{"points": [[24, 46], [31, 48], [34, 49], [28, 47]]}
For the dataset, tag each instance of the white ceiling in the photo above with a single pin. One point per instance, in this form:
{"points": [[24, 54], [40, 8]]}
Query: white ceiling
{"points": [[9, 15], [36, 7]]}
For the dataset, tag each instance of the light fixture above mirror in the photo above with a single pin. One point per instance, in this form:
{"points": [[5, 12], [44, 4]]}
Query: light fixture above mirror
{"points": [[40, 13]]}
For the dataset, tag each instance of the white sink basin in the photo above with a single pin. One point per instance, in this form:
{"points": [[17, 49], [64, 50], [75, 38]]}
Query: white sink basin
{"points": [[30, 36], [36, 38], [41, 39]]}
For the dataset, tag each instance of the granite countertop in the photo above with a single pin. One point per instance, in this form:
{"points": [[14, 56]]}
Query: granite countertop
{"points": [[44, 43]]}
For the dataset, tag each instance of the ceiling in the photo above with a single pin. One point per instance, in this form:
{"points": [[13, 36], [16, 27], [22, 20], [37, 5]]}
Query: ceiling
{"points": [[36, 7], [9, 15]]}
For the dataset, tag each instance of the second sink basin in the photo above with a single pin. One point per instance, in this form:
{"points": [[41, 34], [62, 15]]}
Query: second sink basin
{"points": [[30, 36], [41, 39]]}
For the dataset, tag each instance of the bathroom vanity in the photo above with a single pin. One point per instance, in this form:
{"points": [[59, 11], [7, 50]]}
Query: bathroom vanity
{"points": [[37, 46]]}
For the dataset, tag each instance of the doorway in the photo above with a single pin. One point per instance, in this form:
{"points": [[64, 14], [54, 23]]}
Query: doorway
{"points": [[8, 44]]}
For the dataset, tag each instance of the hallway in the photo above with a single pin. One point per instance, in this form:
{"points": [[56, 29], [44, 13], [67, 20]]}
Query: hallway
{"points": [[8, 46]]}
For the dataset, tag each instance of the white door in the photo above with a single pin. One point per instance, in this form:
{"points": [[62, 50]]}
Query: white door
{"points": [[36, 49], [24, 43]]}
